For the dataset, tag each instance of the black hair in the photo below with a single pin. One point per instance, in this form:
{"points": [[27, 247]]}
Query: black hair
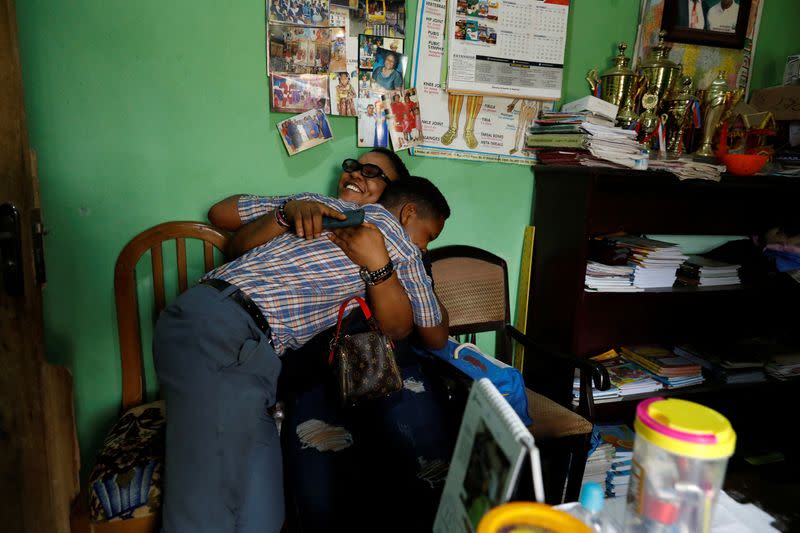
{"points": [[394, 159], [420, 191]]}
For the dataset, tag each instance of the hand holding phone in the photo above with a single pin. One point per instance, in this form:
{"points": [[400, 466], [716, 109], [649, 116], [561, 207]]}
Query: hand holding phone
{"points": [[354, 218]]}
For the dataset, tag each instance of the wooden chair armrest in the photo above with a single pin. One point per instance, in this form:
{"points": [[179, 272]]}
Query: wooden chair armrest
{"points": [[595, 371]]}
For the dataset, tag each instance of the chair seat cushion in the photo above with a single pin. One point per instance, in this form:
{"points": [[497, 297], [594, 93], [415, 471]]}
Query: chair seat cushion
{"points": [[552, 420], [125, 481]]}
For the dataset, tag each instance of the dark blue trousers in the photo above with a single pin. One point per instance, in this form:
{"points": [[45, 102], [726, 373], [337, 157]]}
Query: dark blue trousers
{"points": [[218, 374]]}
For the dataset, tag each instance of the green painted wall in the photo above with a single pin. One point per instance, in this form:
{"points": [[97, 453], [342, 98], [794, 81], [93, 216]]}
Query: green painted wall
{"points": [[149, 111]]}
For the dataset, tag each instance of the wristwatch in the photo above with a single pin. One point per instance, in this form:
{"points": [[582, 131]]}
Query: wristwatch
{"points": [[377, 276]]}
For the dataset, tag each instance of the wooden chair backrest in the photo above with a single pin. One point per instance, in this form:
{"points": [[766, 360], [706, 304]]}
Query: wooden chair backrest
{"points": [[472, 284], [125, 293]]}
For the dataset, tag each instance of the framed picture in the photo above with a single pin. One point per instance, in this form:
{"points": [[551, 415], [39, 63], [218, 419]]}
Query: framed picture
{"points": [[721, 23]]}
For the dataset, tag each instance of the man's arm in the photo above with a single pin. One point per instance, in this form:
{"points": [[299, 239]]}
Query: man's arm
{"points": [[365, 246], [435, 337]]}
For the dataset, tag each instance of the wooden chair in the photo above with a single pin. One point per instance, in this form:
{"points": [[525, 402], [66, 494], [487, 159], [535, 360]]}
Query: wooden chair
{"points": [[473, 285], [140, 421]]}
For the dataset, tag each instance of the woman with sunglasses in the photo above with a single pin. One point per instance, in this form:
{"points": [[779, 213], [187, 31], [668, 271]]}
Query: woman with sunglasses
{"points": [[399, 430]]}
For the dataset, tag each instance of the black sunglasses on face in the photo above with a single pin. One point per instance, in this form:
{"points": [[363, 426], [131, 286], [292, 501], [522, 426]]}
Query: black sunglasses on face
{"points": [[368, 170]]}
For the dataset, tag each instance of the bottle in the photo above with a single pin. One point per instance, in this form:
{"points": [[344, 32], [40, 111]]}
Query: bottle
{"points": [[591, 501]]}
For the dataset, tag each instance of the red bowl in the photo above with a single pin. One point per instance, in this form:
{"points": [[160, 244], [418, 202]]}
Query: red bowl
{"points": [[744, 164]]}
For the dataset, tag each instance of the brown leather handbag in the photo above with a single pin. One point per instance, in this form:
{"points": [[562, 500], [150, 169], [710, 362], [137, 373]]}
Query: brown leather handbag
{"points": [[366, 365]]}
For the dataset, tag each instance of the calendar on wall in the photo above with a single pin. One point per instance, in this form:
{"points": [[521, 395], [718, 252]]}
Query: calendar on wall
{"points": [[507, 47]]}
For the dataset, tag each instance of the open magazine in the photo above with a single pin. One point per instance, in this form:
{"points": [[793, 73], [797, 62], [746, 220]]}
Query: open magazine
{"points": [[492, 446]]}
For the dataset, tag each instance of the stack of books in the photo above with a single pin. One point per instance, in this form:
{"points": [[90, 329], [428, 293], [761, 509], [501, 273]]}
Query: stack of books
{"points": [[720, 366], [655, 262], [618, 475], [609, 278], [784, 363], [670, 369], [699, 271], [599, 460], [627, 379]]}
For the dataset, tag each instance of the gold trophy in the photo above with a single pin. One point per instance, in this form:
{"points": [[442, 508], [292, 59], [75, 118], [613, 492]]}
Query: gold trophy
{"points": [[617, 86], [660, 72], [717, 105], [678, 108], [648, 120]]}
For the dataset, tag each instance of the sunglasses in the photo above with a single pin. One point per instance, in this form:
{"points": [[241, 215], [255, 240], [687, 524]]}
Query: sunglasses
{"points": [[368, 170]]}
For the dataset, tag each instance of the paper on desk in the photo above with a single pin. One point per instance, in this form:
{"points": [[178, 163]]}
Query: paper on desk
{"points": [[730, 516]]}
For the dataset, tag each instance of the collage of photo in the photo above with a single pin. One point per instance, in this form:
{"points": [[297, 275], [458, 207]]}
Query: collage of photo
{"points": [[486, 9], [471, 24], [345, 58]]}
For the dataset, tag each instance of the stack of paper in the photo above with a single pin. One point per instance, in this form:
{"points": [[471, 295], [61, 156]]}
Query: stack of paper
{"points": [[686, 169], [656, 262], [626, 377], [784, 366], [703, 272], [616, 145], [609, 278]]}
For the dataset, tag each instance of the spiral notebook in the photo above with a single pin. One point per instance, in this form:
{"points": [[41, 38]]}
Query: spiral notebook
{"points": [[492, 447]]}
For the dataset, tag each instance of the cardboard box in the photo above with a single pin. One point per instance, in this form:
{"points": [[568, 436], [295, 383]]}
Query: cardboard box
{"points": [[783, 101]]}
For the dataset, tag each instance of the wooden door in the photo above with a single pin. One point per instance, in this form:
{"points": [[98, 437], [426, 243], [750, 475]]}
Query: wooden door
{"points": [[38, 451]]}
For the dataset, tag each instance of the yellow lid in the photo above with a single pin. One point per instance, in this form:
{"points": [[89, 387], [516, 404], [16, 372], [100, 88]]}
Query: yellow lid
{"points": [[685, 428], [527, 516]]}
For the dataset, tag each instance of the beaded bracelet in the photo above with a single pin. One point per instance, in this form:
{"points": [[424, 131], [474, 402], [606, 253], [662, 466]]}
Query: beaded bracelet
{"points": [[280, 216]]}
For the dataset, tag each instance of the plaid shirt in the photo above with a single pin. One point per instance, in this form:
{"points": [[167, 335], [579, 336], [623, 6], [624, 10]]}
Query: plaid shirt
{"points": [[299, 285]]}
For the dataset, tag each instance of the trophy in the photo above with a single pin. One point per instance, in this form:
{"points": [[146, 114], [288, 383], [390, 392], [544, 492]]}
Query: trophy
{"points": [[717, 105], [678, 110], [617, 86], [659, 71], [648, 120]]}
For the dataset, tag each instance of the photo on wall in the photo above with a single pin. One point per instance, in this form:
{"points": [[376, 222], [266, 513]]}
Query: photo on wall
{"points": [[368, 47], [379, 17], [305, 131], [293, 93], [388, 71], [338, 61], [405, 124], [343, 93], [298, 50], [373, 126], [299, 12], [720, 23]]}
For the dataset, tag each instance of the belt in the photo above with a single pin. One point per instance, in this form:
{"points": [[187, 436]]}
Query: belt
{"points": [[244, 302]]}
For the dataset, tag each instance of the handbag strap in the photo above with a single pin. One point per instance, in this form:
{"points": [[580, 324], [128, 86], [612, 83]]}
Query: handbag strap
{"points": [[342, 308]]}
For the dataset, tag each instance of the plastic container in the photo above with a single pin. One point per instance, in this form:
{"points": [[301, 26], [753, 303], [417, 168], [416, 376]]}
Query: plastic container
{"points": [[744, 164], [530, 517], [680, 455]]}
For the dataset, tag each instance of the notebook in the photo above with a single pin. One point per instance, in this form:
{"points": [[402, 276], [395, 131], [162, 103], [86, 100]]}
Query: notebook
{"points": [[491, 448]]}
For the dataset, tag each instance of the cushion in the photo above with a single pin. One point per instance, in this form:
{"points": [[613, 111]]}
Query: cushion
{"points": [[125, 481], [553, 420]]}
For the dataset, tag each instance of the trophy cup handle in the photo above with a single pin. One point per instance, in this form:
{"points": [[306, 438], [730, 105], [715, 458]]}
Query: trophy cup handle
{"points": [[591, 79]]}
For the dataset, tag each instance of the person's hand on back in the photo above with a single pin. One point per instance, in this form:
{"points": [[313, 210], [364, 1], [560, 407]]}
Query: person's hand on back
{"points": [[363, 244], [306, 217]]}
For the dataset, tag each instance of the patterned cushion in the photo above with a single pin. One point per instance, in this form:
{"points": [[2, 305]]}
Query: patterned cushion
{"points": [[125, 481]]}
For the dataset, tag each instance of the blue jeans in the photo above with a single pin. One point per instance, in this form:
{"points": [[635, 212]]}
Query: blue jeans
{"points": [[218, 374], [380, 464]]}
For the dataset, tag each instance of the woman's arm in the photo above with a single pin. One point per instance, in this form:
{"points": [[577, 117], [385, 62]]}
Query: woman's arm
{"points": [[225, 213], [436, 336]]}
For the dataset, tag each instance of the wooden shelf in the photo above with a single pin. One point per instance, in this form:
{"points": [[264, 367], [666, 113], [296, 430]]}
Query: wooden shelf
{"points": [[573, 204]]}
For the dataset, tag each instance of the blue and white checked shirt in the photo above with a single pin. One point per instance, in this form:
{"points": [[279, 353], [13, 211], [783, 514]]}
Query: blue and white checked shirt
{"points": [[299, 285]]}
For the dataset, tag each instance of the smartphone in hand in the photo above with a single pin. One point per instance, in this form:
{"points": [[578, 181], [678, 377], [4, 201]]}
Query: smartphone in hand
{"points": [[354, 218]]}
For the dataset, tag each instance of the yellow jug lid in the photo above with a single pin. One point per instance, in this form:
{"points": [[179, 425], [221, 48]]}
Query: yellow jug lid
{"points": [[685, 428], [529, 517]]}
